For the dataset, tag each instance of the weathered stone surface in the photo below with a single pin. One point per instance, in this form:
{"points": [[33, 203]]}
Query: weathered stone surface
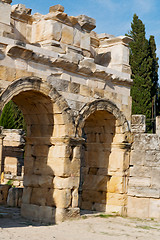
{"points": [[86, 22], [42, 214], [138, 123], [62, 198], [57, 7], [64, 214], [4, 193], [21, 10], [14, 198], [7, 1], [67, 35], [5, 13], [138, 211]]}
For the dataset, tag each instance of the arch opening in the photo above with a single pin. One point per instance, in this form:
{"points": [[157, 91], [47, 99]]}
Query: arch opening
{"points": [[104, 159], [99, 131]]}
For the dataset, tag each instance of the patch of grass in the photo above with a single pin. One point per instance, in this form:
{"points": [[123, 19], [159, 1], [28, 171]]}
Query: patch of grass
{"points": [[106, 215], [145, 227], [84, 217]]}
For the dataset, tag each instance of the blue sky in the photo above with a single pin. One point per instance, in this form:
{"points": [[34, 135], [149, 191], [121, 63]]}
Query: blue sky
{"points": [[112, 16]]}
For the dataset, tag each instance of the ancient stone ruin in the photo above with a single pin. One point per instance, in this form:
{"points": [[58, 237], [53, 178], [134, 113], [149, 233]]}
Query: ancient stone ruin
{"points": [[73, 87]]}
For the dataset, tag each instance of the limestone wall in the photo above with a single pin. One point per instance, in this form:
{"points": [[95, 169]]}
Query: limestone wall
{"points": [[144, 180], [65, 51], [13, 156]]}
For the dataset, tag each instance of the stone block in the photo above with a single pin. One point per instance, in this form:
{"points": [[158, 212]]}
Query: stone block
{"points": [[86, 22], [74, 87], [59, 151], [75, 198], [62, 198], [77, 38], [60, 166], [94, 182], [158, 125], [85, 41], [116, 199], [4, 193], [58, 119], [67, 35], [64, 214], [62, 183], [135, 209], [57, 7], [154, 208], [140, 171], [59, 130], [38, 181], [116, 184], [116, 161], [139, 182], [85, 91], [142, 192], [86, 205], [26, 197], [155, 177], [93, 196], [5, 11], [39, 196], [14, 198], [47, 30], [28, 165], [99, 207], [42, 214], [75, 167], [138, 123], [138, 157]]}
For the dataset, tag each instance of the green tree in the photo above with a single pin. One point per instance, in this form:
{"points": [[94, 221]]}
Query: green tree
{"points": [[154, 74], [141, 64], [12, 117]]}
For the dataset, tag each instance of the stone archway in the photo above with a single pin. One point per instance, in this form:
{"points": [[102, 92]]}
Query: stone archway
{"points": [[47, 165], [105, 157]]}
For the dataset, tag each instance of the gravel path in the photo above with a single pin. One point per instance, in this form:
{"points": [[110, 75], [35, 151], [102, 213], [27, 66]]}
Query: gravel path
{"points": [[87, 227]]}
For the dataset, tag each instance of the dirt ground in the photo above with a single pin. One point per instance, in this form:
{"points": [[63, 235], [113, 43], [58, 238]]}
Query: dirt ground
{"points": [[87, 227]]}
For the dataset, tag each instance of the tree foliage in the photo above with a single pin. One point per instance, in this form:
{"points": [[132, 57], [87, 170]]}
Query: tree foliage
{"points": [[154, 73], [12, 117], [143, 63]]}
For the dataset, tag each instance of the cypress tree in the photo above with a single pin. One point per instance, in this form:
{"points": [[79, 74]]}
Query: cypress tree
{"points": [[12, 117], [154, 74], [141, 65]]}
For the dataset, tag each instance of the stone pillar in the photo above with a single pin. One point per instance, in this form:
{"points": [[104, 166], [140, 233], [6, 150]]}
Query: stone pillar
{"points": [[118, 172], [158, 125], [66, 181], [51, 179]]}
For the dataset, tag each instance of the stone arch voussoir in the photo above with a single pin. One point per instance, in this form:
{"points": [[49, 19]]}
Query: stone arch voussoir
{"points": [[38, 85], [101, 105]]}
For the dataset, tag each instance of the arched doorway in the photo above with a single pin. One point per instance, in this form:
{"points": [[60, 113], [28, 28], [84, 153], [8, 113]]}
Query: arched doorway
{"points": [[49, 122], [105, 157]]}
